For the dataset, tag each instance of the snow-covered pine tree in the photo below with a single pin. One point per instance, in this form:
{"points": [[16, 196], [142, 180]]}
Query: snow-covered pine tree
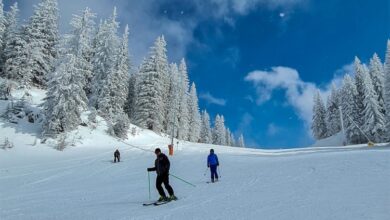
{"points": [[386, 90], [114, 91], [360, 72], [162, 66], [350, 110], [3, 27], [131, 96], [219, 131], [377, 75], [229, 141], [79, 43], [173, 103], [233, 140], [318, 126], [121, 126], [193, 110], [16, 54], [332, 112], [241, 142], [374, 122], [183, 89], [105, 50], [42, 38], [205, 131], [65, 98], [10, 20], [150, 103]]}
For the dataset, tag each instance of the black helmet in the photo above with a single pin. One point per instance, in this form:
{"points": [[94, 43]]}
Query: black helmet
{"points": [[157, 150], [211, 150]]}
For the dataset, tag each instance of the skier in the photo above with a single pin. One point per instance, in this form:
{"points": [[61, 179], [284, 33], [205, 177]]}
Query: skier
{"points": [[161, 166], [117, 156], [213, 163]]}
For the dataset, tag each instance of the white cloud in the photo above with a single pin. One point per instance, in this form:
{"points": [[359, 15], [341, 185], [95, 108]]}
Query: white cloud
{"points": [[299, 94], [212, 100]]}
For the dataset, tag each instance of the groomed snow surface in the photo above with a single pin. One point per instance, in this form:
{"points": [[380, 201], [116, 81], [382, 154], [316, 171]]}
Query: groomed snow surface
{"points": [[81, 182]]}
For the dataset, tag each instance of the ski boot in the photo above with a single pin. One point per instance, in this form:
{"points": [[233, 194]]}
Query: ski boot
{"points": [[172, 197], [162, 199]]}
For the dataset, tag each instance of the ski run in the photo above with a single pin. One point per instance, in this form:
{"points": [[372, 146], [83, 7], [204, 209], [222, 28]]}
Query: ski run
{"points": [[81, 182]]}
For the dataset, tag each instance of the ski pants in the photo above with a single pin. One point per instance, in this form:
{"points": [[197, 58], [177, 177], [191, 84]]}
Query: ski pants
{"points": [[214, 174], [117, 158], [163, 178]]}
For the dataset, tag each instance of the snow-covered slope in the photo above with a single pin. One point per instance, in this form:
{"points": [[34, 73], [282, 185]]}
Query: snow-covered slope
{"points": [[81, 182], [38, 182]]}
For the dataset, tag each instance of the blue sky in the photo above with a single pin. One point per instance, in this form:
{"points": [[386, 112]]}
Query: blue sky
{"points": [[257, 62]]}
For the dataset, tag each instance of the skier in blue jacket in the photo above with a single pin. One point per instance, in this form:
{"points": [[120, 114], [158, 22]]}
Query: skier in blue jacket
{"points": [[213, 163]]}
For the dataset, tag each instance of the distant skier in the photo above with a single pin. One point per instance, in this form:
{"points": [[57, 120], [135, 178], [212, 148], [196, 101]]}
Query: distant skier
{"points": [[161, 166], [117, 156], [213, 163]]}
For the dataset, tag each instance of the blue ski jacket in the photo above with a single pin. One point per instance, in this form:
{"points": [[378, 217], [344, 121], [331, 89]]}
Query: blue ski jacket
{"points": [[212, 159]]}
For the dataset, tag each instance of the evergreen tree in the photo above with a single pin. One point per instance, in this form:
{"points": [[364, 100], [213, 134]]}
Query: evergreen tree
{"points": [[219, 131], [132, 96], [105, 50], [150, 104], [3, 26], [374, 121], [205, 131], [229, 138], [114, 91], [16, 54], [42, 38], [183, 117], [333, 113], [386, 91], [10, 31], [233, 140], [350, 110], [65, 99], [319, 127], [121, 126], [173, 100], [79, 43], [377, 76], [360, 73], [193, 109], [241, 142]]}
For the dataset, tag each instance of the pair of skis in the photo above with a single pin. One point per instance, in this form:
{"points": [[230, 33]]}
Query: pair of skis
{"points": [[157, 203]]}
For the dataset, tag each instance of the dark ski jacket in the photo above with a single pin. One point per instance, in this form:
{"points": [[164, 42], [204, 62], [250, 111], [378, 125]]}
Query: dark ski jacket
{"points": [[212, 159], [161, 165], [117, 154]]}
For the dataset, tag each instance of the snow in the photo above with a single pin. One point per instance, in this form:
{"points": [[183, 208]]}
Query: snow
{"points": [[81, 182]]}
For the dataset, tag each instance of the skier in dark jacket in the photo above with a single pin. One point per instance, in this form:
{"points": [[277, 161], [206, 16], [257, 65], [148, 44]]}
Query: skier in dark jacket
{"points": [[117, 156], [161, 166], [213, 163]]}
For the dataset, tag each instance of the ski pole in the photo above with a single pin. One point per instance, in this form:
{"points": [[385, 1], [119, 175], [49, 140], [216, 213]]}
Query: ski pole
{"points": [[149, 184], [182, 180], [219, 171]]}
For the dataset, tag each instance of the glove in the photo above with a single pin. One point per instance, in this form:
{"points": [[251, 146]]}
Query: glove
{"points": [[149, 169], [217, 164], [208, 166]]}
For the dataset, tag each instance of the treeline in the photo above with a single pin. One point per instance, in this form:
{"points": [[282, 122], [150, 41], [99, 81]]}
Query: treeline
{"points": [[89, 69], [363, 103]]}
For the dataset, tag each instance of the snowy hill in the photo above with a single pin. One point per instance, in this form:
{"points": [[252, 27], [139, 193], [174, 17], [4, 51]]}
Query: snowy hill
{"points": [[81, 182]]}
